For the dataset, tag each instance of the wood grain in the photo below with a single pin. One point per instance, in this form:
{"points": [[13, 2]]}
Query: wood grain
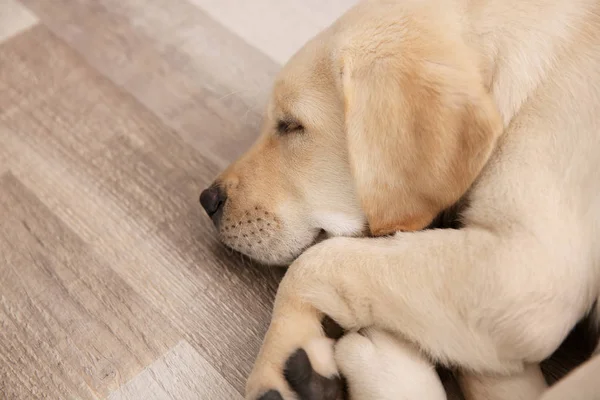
{"points": [[178, 375], [128, 185], [14, 18], [5, 155], [197, 76], [70, 325], [284, 26]]}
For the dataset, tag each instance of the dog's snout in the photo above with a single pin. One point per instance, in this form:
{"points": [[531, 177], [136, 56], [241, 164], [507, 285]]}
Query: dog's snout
{"points": [[212, 200]]}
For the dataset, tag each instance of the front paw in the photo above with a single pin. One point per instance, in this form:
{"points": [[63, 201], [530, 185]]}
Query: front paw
{"points": [[296, 359], [309, 373]]}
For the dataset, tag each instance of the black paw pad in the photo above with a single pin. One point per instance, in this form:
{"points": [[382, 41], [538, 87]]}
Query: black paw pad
{"points": [[307, 383], [271, 395], [332, 329]]}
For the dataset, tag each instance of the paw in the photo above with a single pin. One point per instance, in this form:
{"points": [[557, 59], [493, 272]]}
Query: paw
{"points": [[310, 374], [378, 366]]}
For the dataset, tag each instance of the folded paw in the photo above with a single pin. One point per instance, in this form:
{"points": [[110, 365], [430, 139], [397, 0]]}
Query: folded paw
{"points": [[378, 366], [311, 374]]}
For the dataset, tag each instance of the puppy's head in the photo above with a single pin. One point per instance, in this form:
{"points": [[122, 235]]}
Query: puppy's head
{"points": [[376, 125]]}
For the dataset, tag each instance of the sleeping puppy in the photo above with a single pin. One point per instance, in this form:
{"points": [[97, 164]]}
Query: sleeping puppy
{"points": [[392, 114]]}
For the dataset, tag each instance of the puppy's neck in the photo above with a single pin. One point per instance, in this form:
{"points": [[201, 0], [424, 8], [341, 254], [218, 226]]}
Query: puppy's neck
{"points": [[521, 41]]}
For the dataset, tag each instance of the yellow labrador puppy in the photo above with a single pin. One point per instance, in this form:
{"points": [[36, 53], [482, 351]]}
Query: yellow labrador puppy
{"points": [[396, 112]]}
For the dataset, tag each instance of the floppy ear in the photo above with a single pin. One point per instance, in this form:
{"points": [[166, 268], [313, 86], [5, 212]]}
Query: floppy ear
{"points": [[419, 132]]}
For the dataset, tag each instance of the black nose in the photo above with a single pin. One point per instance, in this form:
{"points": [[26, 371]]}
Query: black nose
{"points": [[213, 200]]}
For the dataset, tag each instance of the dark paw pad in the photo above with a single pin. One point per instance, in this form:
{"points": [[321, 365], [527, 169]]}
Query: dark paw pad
{"points": [[332, 329], [308, 384], [271, 395]]}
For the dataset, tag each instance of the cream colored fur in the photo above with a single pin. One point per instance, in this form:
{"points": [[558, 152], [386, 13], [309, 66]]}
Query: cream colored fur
{"points": [[375, 365], [391, 115]]}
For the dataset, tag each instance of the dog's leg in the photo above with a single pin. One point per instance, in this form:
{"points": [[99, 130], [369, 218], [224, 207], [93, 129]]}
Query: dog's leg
{"points": [[474, 298], [528, 384], [379, 366]]}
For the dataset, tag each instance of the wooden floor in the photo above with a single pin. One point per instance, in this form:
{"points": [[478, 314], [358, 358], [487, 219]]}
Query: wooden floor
{"points": [[114, 114]]}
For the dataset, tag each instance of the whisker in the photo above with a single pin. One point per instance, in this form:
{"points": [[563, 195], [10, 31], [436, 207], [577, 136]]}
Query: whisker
{"points": [[233, 93]]}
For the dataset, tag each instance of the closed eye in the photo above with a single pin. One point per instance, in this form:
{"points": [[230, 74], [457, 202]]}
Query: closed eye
{"points": [[285, 126]]}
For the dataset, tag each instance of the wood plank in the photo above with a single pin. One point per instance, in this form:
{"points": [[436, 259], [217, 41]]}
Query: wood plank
{"points": [[198, 77], [284, 26], [182, 373], [131, 193], [14, 18], [70, 327]]}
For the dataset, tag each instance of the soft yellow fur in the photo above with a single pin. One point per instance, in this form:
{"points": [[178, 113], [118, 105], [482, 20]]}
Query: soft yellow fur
{"points": [[405, 106]]}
